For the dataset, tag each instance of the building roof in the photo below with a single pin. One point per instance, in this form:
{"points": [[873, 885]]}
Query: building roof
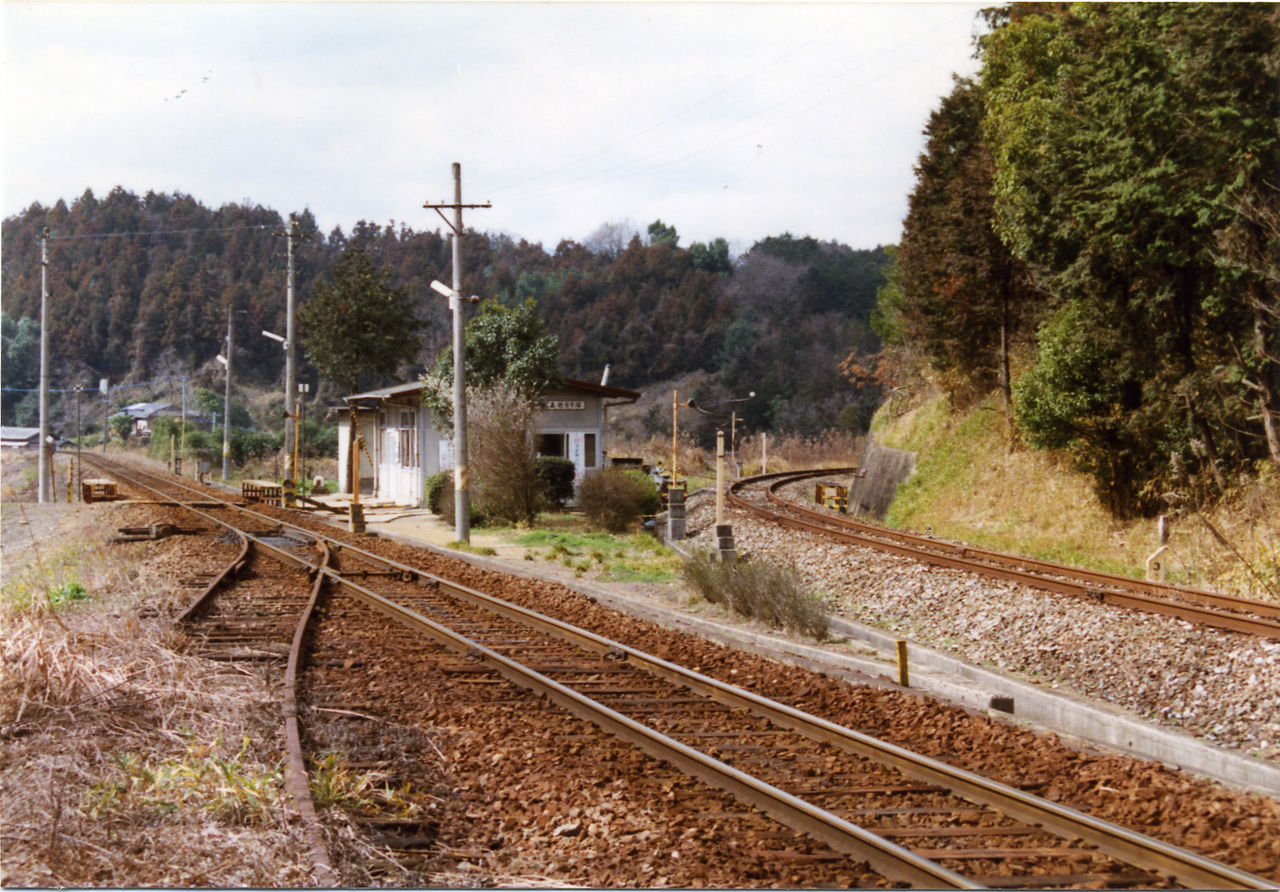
{"points": [[570, 385], [8, 433], [146, 410]]}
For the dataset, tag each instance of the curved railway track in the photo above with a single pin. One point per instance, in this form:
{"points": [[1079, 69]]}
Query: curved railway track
{"points": [[912, 818], [760, 496]]}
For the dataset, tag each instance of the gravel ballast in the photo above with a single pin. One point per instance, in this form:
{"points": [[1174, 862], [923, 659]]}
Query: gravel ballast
{"points": [[1222, 687]]}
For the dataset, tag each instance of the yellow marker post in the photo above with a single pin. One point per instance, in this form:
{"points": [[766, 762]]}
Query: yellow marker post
{"points": [[902, 664]]}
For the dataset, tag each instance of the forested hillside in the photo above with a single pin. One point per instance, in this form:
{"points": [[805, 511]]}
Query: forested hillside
{"points": [[1095, 231], [132, 305]]}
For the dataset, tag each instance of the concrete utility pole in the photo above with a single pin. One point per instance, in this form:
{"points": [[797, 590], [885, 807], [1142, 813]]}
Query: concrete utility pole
{"points": [[44, 464], [226, 403], [290, 367], [461, 483]]}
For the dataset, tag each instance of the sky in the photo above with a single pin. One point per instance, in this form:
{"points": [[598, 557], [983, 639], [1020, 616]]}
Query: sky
{"points": [[722, 119]]}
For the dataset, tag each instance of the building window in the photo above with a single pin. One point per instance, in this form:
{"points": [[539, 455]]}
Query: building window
{"points": [[552, 444], [589, 450], [408, 439]]}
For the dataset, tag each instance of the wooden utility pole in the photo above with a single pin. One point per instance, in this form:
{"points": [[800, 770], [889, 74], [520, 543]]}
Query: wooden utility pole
{"points": [[461, 482], [44, 463]]}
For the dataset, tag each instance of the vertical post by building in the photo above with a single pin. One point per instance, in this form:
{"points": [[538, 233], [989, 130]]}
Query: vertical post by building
{"points": [[44, 463], [719, 477], [290, 366]]}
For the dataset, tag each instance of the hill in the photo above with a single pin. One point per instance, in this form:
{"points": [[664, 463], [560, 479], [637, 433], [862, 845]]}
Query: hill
{"points": [[140, 288]]}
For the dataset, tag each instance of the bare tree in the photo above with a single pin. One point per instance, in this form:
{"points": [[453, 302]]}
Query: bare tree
{"points": [[501, 422], [611, 239]]}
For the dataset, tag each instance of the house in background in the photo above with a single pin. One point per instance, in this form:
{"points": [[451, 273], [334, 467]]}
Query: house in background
{"points": [[402, 447], [143, 414], [26, 438]]}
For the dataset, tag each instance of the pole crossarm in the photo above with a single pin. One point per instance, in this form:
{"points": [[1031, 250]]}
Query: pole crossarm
{"points": [[440, 207]]}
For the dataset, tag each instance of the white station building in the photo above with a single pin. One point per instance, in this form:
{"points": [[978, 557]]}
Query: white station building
{"points": [[402, 446]]}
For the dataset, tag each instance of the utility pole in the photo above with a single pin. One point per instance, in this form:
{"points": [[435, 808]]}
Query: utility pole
{"points": [[226, 402], [290, 366], [44, 464], [461, 483], [79, 473]]}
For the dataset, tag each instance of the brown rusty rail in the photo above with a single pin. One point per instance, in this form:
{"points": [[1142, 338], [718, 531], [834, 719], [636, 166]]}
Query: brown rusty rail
{"points": [[888, 857]]}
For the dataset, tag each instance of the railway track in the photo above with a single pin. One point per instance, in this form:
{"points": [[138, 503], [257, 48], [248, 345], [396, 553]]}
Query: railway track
{"points": [[913, 819], [761, 496]]}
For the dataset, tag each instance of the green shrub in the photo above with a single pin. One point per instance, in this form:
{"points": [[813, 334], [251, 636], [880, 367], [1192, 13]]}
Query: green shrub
{"points": [[652, 503], [446, 504], [615, 500], [436, 485], [555, 480], [758, 589]]}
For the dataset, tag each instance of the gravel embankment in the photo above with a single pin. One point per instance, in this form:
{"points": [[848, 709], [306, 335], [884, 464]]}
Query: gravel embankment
{"points": [[1220, 686]]}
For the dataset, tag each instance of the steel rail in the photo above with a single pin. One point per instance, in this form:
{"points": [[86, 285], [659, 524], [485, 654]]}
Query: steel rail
{"points": [[1138, 850], [888, 858], [231, 569], [1129, 846], [1119, 590]]}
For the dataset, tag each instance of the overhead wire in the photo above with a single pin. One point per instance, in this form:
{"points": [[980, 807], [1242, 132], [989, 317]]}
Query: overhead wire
{"points": [[718, 135], [66, 238], [825, 34]]}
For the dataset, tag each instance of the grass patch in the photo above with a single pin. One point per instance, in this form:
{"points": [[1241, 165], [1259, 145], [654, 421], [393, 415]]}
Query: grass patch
{"points": [[227, 787], [459, 545], [334, 784], [616, 557]]}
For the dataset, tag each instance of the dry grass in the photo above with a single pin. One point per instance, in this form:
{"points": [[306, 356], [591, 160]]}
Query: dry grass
{"points": [[970, 485], [770, 592], [127, 763]]}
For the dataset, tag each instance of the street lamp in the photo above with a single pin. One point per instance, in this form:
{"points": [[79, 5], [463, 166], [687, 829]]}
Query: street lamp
{"points": [[226, 401]]}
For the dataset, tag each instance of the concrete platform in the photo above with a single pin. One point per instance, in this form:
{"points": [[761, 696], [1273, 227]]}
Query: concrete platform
{"points": [[861, 652]]}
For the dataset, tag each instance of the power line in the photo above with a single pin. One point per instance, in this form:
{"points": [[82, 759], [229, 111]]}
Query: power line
{"points": [[68, 238]]}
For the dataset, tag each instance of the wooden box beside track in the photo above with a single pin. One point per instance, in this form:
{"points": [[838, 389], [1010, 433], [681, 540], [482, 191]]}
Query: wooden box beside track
{"points": [[262, 491], [832, 495], [98, 489]]}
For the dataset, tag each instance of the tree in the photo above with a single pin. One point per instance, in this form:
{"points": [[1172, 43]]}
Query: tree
{"points": [[507, 346], [1126, 140], [357, 324], [20, 354], [712, 257], [958, 292], [507, 485], [662, 234]]}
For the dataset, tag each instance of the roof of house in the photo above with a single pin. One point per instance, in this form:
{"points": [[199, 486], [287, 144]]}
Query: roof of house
{"points": [[146, 410], [570, 385], [18, 433]]}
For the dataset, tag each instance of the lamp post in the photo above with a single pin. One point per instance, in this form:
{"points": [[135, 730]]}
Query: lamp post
{"points": [[288, 408], [733, 430]]}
